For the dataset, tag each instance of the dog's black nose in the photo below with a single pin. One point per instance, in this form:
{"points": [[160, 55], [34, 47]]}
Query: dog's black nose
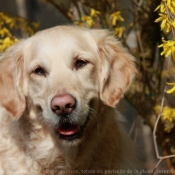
{"points": [[63, 104]]}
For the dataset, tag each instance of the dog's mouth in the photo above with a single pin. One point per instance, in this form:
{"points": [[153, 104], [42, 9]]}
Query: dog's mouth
{"points": [[70, 131]]}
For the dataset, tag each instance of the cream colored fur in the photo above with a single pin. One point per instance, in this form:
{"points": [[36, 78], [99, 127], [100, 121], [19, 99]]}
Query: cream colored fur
{"points": [[28, 142]]}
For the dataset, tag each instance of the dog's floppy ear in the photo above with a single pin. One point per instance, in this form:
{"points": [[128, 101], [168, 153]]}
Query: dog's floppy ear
{"points": [[117, 68], [11, 81]]}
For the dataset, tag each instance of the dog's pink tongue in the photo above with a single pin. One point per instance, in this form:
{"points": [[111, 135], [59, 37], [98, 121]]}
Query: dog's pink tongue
{"points": [[68, 130]]}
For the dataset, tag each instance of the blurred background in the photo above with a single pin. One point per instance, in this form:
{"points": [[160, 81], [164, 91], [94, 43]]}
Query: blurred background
{"points": [[149, 110]]}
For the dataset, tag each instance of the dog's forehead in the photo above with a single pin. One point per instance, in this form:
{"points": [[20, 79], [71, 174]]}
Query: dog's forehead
{"points": [[64, 37], [63, 42]]}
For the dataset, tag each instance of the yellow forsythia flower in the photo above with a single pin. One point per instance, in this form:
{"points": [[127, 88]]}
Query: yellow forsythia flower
{"points": [[161, 7], [172, 89], [6, 43], [7, 23], [5, 32], [116, 17], [173, 23], [168, 126], [88, 20], [168, 114], [79, 23], [94, 13], [167, 117], [119, 31], [168, 48], [170, 4], [165, 23]]}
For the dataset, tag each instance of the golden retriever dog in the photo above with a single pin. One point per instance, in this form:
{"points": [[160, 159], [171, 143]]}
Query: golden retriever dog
{"points": [[58, 94]]}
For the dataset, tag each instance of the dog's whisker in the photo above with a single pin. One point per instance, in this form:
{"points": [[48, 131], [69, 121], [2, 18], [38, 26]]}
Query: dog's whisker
{"points": [[93, 112]]}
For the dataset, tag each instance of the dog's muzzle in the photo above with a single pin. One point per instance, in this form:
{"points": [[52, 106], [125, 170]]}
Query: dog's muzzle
{"points": [[64, 105], [70, 131]]}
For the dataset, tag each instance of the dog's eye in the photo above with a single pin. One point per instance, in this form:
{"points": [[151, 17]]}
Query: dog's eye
{"points": [[39, 71], [80, 64]]}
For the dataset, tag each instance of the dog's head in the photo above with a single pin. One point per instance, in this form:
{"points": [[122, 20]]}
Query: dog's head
{"points": [[67, 73]]}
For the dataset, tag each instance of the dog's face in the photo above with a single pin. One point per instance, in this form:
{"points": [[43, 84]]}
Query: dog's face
{"points": [[67, 72], [63, 79]]}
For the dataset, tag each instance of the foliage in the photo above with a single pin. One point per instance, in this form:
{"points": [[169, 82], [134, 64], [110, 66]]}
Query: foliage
{"points": [[167, 19], [92, 18], [9, 23], [168, 117], [166, 112]]}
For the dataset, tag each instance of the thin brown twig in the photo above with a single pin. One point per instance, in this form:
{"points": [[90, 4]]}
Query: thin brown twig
{"points": [[132, 127], [137, 5], [160, 160], [137, 128], [156, 124]]}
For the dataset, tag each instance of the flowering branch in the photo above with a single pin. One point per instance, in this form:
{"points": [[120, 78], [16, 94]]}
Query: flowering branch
{"points": [[168, 50], [169, 17], [7, 23]]}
